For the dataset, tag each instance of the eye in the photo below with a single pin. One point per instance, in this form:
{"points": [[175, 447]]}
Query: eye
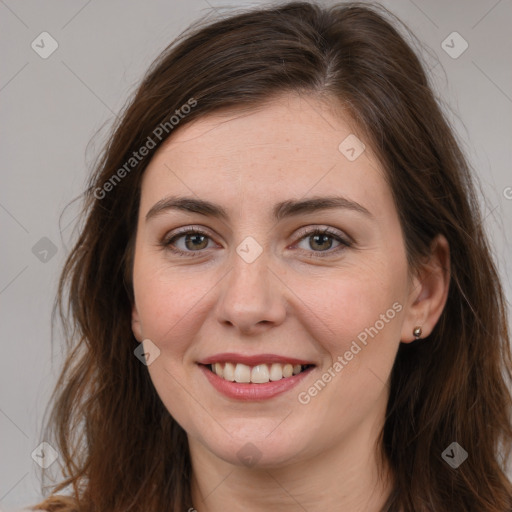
{"points": [[187, 242], [320, 240]]}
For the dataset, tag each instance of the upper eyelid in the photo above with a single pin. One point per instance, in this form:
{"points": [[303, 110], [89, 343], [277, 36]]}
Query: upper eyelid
{"points": [[327, 230], [187, 230]]}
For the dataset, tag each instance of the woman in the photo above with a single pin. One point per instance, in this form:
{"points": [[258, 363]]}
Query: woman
{"points": [[282, 297]]}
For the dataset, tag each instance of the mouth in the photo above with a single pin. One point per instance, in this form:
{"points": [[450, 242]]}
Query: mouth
{"points": [[254, 378]]}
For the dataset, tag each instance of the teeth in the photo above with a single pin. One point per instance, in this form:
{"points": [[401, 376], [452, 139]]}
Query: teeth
{"points": [[242, 373], [218, 369], [276, 371], [229, 372], [259, 374]]}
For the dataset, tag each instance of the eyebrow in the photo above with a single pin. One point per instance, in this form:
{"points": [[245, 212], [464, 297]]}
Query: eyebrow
{"points": [[280, 211]]}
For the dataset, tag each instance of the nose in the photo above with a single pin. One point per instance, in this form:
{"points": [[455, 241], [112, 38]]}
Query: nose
{"points": [[251, 298]]}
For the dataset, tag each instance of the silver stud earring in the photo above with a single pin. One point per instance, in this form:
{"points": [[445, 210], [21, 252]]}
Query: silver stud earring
{"points": [[417, 332]]}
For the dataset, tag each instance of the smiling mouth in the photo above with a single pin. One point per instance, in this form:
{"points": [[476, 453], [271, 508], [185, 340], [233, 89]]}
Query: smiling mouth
{"points": [[259, 374]]}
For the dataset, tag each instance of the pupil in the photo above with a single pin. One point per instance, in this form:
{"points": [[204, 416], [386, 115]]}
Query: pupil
{"points": [[324, 237], [194, 239]]}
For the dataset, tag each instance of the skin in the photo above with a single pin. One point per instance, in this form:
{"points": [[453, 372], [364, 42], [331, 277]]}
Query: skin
{"points": [[289, 301]]}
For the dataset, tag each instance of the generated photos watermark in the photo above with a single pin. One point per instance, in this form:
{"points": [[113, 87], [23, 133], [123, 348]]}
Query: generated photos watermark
{"points": [[342, 361], [158, 134]]}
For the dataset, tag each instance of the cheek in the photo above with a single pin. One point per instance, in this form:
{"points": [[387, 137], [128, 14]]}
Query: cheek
{"points": [[357, 323], [362, 303], [172, 310], [169, 304]]}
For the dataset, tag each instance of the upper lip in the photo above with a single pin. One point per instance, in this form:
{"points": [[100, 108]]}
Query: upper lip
{"points": [[231, 357]]}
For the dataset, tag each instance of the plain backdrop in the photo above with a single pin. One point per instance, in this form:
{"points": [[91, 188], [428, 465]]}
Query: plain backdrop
{"points": [[51, 108]]}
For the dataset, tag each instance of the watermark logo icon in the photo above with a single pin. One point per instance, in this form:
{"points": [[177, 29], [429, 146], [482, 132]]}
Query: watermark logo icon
{"points": [[454, 45], [249, 455], [44, 45], [455, 455], [147, 352], [44, 250], [351, 147], [249, 249], [45, 455]]}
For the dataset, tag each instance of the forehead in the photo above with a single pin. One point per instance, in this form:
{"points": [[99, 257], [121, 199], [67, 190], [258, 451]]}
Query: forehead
{"points": [[302, 123], [290, 147]]}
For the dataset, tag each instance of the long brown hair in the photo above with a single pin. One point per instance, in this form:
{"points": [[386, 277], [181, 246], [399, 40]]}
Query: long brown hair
{"points": [[121, 449]]}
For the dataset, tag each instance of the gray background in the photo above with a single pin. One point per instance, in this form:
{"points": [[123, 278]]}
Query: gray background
{"points": [[52, 107]]}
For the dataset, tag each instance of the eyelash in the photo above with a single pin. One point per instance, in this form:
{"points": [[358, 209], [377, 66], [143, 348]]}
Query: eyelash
{"points": [[167, 242]]}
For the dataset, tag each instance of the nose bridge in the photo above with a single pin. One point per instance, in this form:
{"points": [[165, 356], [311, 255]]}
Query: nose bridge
{"points": [[251, 294]]}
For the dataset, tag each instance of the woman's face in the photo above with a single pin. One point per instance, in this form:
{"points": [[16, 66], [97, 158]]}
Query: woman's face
{"points": [[259, 293]]}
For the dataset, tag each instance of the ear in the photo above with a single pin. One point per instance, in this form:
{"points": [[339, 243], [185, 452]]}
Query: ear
{"points": [[136, 324], [428, 291]]}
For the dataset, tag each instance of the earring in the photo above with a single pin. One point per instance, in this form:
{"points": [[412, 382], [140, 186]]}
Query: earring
{"points": [[417, 332]]}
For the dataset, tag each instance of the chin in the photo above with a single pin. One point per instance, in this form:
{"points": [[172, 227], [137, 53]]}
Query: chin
{"points": [[262, 448]]}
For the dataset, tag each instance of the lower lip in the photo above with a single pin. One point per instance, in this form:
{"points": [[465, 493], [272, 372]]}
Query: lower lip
{"points": [[249, 391]]}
